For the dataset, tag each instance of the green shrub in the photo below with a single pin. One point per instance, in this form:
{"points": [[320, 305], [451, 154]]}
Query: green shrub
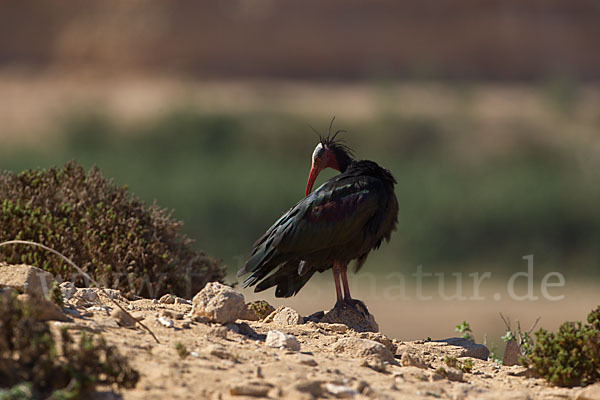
{"points": [[465, 366], [181, 350], [109, 233], [569, 357], [30, 360]]}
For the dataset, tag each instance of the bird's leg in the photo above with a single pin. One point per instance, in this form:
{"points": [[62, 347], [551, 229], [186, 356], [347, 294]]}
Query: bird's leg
{"points": [[345, 282], [356, 304], [336, 279]]}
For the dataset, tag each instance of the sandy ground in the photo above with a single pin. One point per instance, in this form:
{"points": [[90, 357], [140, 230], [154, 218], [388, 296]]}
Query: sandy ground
{"points": [[233, 361], [413, 319]]}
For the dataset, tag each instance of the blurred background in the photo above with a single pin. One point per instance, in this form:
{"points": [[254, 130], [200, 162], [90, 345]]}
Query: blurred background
{"points": [[487, 113]]}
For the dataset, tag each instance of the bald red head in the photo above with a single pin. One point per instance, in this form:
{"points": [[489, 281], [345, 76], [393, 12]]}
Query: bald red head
{"points": [[322, 158]]}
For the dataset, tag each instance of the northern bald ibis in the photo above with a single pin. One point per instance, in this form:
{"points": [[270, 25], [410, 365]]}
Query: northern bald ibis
{"points": [[343, 220]]}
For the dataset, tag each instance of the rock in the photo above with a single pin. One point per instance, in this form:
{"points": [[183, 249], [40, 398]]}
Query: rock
{"points": [[167, 299], [557, 394], [305, 359], [340, 391], [315, 317], [464, 348], [26, 279], [284, 316], [591, 392], [359, 321], [112, 294], [43, 309], [251, 389], [339, 328], [362, 387], [171, 314], [123, 319], [412, 360], [220, 352], [218, 303], [86, 296], [104, 309], [375, 364], [310, 386], [247, 331], [365, 348], [454, 374], [218, 331], [281, 340], [181, 301], [68, 290], [166, 322], [381, 338], [512, 353], [257, 310], [231, 327], [72, 312]]}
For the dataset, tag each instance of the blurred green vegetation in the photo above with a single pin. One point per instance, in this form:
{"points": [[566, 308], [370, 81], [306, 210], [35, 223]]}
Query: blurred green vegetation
{"points": [[466, 202]]}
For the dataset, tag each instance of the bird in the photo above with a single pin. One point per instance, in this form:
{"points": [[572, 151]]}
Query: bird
{"points": [[341, 221]]}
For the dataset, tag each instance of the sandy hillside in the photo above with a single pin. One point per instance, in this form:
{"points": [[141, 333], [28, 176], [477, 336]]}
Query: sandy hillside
{"points": [[235, 360]]}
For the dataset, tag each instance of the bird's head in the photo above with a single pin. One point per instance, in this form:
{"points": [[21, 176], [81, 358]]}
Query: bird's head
{"points": [[329, 153]]}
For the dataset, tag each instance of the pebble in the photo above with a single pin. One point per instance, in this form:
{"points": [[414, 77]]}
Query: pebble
{"points": [[512, 353], [251, 389], [284, 316], [281, 340], [412, 360], [166, 322], [67, 290], [181, 301], [112, 294], [305, 359], [220, 352], [171, 314], [105, 309], [218, 303], [88, 295], [454, 374], [340, 391], [461, 347], [339, 328], [167, 299], [123, 319], [310, 386], [355, 347]]}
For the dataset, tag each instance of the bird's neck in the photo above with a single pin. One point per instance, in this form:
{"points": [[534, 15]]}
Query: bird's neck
{"points": [[344, 161]]}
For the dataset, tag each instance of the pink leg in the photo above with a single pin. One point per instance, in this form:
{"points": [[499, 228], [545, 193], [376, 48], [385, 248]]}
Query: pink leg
{"points": [[336, 279], [345, 282]]}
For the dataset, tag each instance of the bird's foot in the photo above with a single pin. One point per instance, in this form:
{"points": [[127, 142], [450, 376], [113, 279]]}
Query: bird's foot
{"points": [[355, 304]]}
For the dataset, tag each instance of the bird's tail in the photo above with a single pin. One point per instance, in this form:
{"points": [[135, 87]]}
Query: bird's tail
{"points": [[287, 280]]}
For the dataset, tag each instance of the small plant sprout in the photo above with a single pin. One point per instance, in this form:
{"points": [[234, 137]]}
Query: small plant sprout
{"points": [[466, 331], [181, 350]]}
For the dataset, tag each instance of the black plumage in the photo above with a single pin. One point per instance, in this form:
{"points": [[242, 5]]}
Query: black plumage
{"points": [[343, 220]]}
